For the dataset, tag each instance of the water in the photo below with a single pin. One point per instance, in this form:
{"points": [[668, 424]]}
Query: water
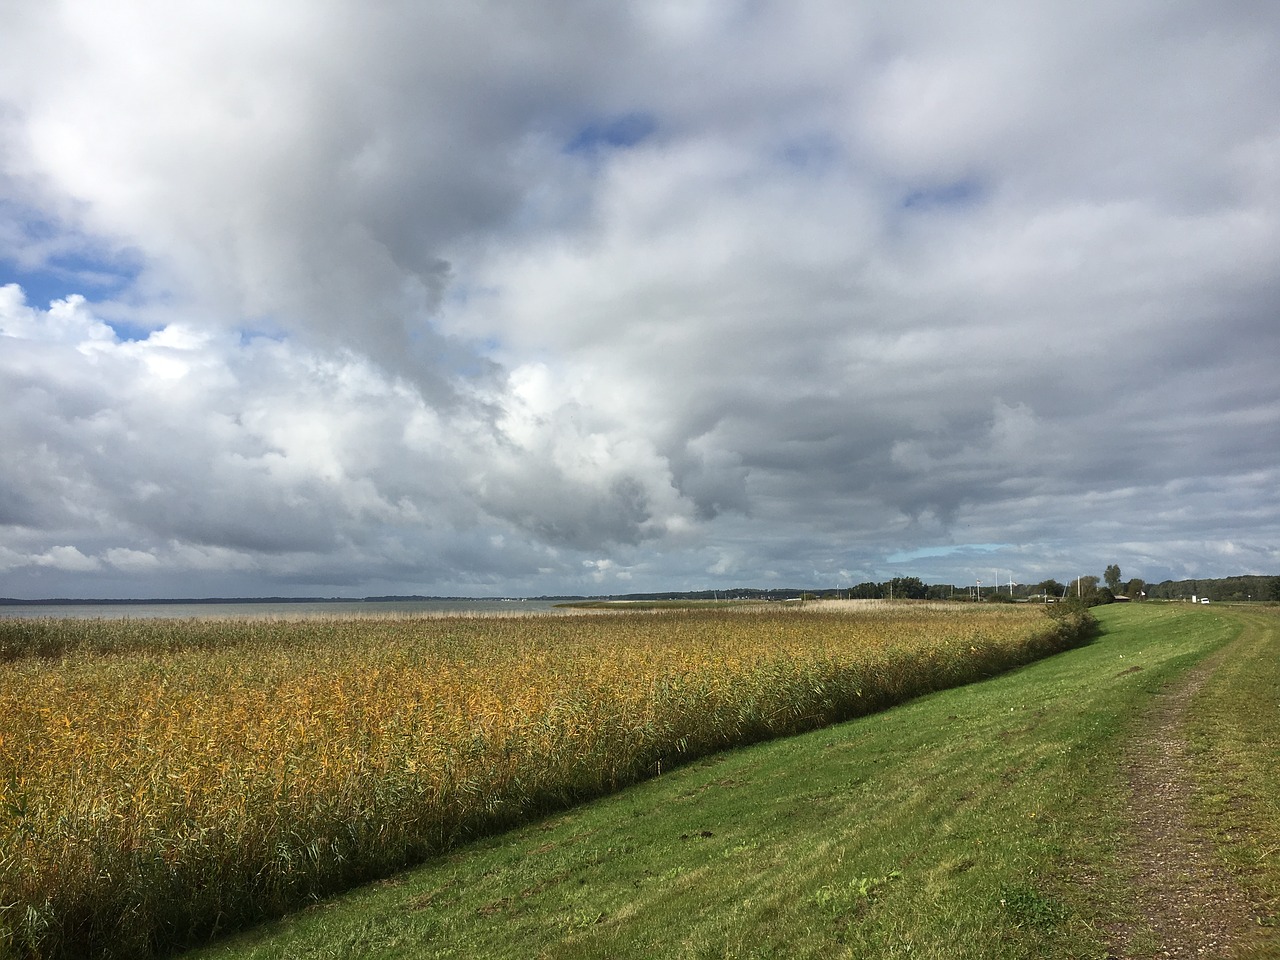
{"points": [[274, 609]]}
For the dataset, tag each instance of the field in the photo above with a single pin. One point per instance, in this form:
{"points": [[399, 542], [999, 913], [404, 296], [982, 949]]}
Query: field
{"points": [[161, 781], [996, 821]]}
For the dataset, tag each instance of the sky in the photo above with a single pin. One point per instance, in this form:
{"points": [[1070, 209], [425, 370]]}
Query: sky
{"points": [[326, 298]]}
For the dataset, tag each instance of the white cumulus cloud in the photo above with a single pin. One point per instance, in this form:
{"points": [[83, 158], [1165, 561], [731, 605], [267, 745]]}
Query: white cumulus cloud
{"points": [[331, 298]]}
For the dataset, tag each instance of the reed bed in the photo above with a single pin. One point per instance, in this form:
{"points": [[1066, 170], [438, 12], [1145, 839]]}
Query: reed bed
{"points": [[161, 781]]}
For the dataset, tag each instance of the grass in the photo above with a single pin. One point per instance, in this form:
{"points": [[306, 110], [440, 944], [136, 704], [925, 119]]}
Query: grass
{"points": [[980, 822], [162, 780], [1234, 737], [682, 604]]}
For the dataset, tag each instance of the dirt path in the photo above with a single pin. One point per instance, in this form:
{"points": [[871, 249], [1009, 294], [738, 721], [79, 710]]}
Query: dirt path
{"points": [[1190, 903]]}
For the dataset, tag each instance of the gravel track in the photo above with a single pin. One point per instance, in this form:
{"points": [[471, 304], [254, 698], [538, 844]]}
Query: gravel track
{"points": [[1189, 905]]}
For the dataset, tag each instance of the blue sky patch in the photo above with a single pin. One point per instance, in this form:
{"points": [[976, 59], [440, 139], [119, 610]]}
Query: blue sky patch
{"points": [[920, 553], [62, 276], [816, 153], [959, 193], [51, 261], [65, 277], [613, 134], [126, 331]]}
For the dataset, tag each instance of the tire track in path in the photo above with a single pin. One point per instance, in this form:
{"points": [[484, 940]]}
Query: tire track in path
{"points": [[1190, 904]]}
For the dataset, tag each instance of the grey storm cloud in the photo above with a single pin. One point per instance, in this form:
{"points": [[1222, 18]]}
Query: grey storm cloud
{"points": [[325, 297]]}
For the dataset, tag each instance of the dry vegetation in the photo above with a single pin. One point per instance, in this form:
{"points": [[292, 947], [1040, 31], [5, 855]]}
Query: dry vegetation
{"points": [[160, 780]]}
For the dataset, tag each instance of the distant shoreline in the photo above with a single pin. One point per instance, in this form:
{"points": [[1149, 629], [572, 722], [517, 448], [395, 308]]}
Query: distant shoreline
{"points": [[741, 593], [1241, 588], [78, 602]]}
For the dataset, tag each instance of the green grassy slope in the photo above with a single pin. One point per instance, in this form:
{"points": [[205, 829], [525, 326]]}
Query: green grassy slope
{"points": [[980, 822]]}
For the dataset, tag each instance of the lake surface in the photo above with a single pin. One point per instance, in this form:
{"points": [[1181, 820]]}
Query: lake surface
{"points": [[275, 609]]}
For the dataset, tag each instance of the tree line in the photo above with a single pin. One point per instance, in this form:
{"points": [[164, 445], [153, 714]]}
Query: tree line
{"points": [[1091, 590]]}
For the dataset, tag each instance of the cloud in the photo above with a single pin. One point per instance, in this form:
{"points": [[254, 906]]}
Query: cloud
{"points": [[65, 558], [197, 449], [561, 297]]}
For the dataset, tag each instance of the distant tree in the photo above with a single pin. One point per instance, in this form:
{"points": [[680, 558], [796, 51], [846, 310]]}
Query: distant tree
{"points": [[907, 588], [1051, 587], [1274, 588], [1083, 587], [1112, 576], [1135, 588]]}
